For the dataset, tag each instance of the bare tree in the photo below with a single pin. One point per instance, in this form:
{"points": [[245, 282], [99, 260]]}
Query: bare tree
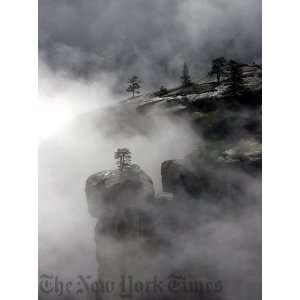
{"points": [[123, 157], [134, 85]]}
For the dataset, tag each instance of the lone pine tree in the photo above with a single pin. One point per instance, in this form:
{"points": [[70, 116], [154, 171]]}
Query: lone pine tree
{"points": [[134, 84], [123, 157], [185, 76]]}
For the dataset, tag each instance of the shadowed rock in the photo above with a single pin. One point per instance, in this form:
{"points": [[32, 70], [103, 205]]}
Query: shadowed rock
{"points": [[108, 191], [217, 177]]}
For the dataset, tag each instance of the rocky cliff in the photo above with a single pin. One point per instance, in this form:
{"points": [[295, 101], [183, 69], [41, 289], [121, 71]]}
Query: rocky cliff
{"points": [[140, 232], [213, 177], [124, 206]]}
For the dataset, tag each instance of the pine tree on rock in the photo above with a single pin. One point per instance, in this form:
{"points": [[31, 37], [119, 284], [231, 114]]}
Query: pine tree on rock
{"points": [[123, 157], [134, 84]]}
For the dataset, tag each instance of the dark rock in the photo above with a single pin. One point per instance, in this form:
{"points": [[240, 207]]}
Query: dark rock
{"points": [[179, 179], [107, 191], [214, 178]]}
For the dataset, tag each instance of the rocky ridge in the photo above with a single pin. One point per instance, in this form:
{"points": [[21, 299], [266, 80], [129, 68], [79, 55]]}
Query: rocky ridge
{"points": [[201, 91]]}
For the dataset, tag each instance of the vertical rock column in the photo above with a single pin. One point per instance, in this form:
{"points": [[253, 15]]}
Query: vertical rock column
{"points": [[122, 205]]}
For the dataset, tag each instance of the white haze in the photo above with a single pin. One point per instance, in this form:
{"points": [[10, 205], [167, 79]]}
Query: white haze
{"points": [[62, 98], [80, 143], [69, 154]]}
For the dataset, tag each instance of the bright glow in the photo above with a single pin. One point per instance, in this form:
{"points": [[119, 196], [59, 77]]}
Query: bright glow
{"points": [[52, 119], [61, 100]]}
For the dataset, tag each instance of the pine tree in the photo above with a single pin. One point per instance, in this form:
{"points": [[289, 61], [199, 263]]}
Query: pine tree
{"points": [[134, 85], [236, 86], [217, 68], [185, 76], [123, 157]]}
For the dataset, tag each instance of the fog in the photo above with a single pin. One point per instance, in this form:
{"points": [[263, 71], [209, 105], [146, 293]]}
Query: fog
{"points": [[87, 51], [220, 245], [149, 38], [72, 148]]}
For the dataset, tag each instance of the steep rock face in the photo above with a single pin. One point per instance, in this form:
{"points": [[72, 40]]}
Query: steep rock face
{"points": [[214, 178], [124, 207], [108, 191], [178, 177]]}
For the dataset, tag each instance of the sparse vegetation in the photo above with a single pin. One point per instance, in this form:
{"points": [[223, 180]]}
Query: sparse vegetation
{"points": [[134, 85], [123, 157], [217, 68], [162, 91], [236, 80], [185, 76]]}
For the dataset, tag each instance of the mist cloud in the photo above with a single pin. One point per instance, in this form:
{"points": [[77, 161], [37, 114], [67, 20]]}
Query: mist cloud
{"points": [[149, 38], [87, 51], [218, 245], [85, 144]]}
